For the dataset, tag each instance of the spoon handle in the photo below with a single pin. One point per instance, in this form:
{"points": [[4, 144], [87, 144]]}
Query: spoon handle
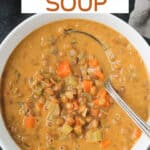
{"points": [[139, 122]]}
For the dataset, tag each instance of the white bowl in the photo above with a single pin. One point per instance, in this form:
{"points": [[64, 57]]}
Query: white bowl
{"points": [[36, 21]]}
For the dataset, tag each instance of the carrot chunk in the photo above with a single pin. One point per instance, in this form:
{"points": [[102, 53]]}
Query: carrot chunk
{"points": [[104, 99], [94, 112], [29, 121], [107, 101], [102, 93], [96, 102], [137, 133], [93, 63], [87, 85], [64, 69], [100, 75], [105, 143]]}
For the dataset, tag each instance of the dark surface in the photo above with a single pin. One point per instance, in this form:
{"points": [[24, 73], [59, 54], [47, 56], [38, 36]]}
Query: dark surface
{"points": [[10, 16]]}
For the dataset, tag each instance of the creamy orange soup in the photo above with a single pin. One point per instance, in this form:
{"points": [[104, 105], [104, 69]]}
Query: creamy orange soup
{"points": [[53, 95]]}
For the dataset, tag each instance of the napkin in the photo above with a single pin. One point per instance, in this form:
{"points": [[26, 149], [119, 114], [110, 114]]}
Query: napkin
{"points": [[140, 17]]}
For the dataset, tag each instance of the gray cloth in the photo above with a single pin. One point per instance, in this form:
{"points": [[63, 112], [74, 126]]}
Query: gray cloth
{"points": [[140, 17]]}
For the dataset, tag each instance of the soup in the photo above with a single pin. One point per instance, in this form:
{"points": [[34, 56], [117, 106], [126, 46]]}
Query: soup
{"points": [[53, 94]]}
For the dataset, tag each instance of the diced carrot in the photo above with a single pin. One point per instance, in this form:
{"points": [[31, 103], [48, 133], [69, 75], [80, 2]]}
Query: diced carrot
{"points": [[94, 112], [104, 99], [75, 105], [29, 121], [107, 100], [40, 105], [100, 75], [103, 102], [87, 85], [64, 69], [102, 93], [105, 143], [137, 133], [93, 63], [96, 102]]}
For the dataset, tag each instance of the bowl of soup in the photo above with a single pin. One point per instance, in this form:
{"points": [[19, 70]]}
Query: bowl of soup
{"points": [[53, 71]]}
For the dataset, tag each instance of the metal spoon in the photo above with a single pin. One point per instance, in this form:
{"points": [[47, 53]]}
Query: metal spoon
{"points": [[138, 121], [67, 31]]}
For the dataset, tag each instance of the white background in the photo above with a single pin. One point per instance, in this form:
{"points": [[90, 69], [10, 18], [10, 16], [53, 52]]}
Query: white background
{"points": [[39, 6]]}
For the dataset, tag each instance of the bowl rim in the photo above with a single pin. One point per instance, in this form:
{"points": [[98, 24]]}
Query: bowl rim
{"points": [[36, 21]]}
